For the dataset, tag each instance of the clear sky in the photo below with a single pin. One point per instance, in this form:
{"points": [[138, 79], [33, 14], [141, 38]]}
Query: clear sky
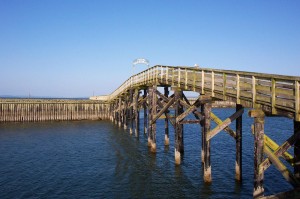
{"points": [[72, 48]]}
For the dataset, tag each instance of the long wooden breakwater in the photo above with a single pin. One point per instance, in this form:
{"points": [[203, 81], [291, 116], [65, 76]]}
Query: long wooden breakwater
{"points": [[33, 110]]}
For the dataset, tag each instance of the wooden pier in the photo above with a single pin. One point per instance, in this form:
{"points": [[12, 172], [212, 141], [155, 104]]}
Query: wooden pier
{"points": [[161, 88]]}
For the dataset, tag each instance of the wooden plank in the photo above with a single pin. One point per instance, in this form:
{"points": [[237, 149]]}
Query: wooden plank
{"points": [[287, 92], [190, 122]]}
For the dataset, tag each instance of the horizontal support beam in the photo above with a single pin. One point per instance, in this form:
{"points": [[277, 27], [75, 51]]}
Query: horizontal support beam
{"points": [[190, 122]]}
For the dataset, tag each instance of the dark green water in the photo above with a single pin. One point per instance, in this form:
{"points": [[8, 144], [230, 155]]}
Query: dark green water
{"points": [[96, 159]]}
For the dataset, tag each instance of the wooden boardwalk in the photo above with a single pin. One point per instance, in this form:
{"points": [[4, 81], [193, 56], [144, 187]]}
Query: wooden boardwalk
{"points": [[265, 94], [268, 95], [275, 94]]}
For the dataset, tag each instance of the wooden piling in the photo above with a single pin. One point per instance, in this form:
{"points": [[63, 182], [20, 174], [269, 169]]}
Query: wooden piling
{"points": [[206, 144], [136, 112], [297, 151], [167, 140], [130, 111], [120, 112], [150, 116], [202, 125], [125, 112], [259, 118], [145, 111], [153, 124], [179, 145], [238, 139]]}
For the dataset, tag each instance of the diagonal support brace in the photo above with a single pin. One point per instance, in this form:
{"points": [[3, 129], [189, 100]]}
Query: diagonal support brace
{"points": [[224, 124]]}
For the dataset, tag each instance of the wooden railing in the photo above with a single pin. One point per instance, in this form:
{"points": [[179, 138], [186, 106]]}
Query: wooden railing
{"points": [[275, 94]]}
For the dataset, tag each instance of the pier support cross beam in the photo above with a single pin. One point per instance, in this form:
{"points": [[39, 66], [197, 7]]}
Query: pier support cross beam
{"points": [[225, 123], [193, 108], [179, 146], [259, 120]]}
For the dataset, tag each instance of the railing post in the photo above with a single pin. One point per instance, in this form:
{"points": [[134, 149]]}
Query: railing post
{"points": [[179, 78], [202, 82], [224, 86], [238, 101], [273, 102], [186, 78], [173, 75], [161, 74], [194, 80], [167, 75], [253, 91], [212, 83]]}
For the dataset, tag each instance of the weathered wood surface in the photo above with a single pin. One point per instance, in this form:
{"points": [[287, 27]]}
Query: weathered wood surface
{"points": [[21, 110], [275, 94]]}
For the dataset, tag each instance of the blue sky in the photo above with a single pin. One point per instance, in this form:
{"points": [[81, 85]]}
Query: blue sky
{"points": [[72, 48]]}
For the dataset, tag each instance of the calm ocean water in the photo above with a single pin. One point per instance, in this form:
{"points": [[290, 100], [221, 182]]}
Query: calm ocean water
{"points": [[96, 159]]}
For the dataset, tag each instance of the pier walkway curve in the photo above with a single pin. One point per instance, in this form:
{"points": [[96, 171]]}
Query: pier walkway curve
{"points": [[266, 95], [160, 93]]}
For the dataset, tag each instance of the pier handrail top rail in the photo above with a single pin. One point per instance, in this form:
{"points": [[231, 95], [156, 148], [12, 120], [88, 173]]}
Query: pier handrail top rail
{"points": [[129, 82]]}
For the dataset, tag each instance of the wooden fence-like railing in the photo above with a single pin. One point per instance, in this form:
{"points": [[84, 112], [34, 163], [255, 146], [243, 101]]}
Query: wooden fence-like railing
{"points": [[275, 94]]}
